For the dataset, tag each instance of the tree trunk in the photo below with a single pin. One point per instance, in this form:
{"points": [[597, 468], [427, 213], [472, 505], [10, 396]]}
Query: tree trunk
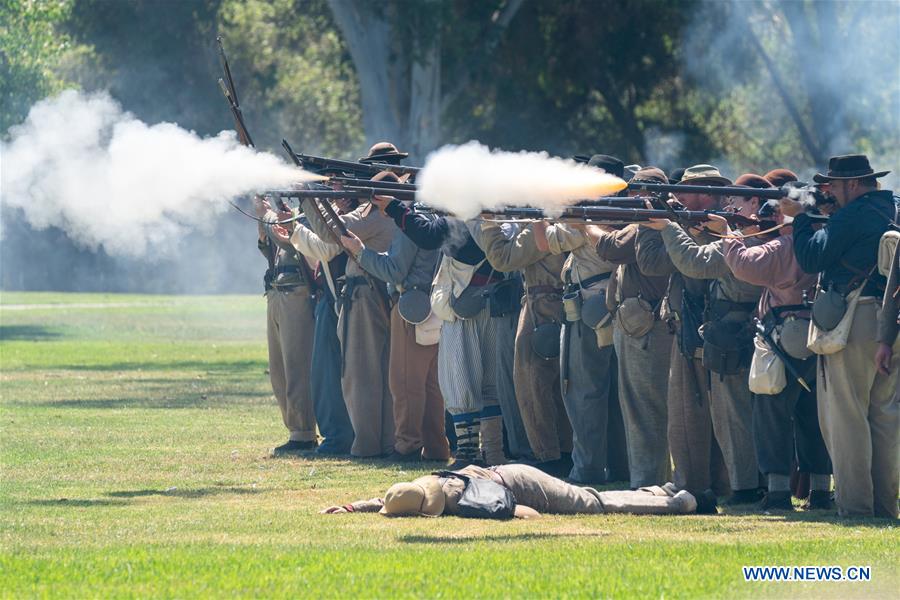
{"points": [[368, 36]]}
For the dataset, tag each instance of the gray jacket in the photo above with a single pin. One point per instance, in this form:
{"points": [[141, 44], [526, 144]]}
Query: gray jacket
{"points": [[404, 265]]}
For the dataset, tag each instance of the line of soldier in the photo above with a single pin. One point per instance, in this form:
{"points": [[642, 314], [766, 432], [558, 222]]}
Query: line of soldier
{"points": [[600, 353]]}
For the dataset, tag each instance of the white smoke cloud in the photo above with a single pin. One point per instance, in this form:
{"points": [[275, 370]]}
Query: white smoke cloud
{"points": [[107, 179], [466, 180]]}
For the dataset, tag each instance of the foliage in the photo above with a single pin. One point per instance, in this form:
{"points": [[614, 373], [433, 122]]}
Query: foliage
{"points": [[134, 464], [32, 49], [293, 74]]}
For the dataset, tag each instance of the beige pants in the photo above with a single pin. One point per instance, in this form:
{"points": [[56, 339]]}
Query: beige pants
{"points": [[546, 494], [859, 413], [364, 332], [537, 386], [418, 404], [289, 329]]}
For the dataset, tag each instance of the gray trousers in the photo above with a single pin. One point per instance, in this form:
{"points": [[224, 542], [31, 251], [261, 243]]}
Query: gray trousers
{"points": [[588, 382], [643, 384], [364, 331], [859, 412], [698, 460], [516, 437], [289, 329], [537, 385], [546, 494], [731, 409]]}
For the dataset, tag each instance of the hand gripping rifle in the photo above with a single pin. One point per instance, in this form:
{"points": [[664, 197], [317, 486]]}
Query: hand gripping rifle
{"points": [[333, 221]]}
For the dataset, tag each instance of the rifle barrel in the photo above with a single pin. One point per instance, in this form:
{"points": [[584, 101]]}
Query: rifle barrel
{"points": [[773, 193], [355, 192], [621, 214]]}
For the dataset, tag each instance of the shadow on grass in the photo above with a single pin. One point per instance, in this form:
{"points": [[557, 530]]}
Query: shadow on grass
{"points": [[512, 537], [162, 364], [27, 333], [829, 517], [193, 401], [79, 502], [185, 493]]}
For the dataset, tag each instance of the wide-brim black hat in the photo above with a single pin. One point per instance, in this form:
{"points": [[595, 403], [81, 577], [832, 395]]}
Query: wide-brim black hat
{"points": [[849, 166], [610, 164], [383, 152]]}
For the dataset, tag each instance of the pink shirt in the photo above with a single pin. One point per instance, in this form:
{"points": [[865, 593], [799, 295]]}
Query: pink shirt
{"points": [[771, 265]]}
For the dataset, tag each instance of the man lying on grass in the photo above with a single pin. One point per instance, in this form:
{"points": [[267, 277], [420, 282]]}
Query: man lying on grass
{"points": [[519, 491]]}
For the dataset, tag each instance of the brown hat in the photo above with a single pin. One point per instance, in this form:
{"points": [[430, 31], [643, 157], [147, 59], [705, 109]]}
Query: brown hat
{"points": [[754, 181], [781, 177], [703, 175], [850, 166], [650, 175], [423, 497], [384, 152]]}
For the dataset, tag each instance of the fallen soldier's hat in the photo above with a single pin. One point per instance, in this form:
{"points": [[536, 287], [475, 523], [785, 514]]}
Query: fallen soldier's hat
{"points": [[423, 498]]}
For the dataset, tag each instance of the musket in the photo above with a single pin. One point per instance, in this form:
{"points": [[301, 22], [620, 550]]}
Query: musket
{"points": [[713, 190], [619, 216], [360, 192], [777, 350], [322, 165], [230, 93]]}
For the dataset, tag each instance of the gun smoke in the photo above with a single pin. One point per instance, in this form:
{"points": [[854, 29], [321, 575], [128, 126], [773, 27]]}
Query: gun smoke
{"points": [[468, 179], [82, 164]]}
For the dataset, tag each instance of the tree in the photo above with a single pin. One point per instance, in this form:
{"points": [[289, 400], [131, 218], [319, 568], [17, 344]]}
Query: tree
{"points": [[793, 82], [399, 52]]}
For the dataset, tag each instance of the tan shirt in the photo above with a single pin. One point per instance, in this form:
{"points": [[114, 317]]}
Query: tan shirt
{"points": [[519, 253], [583, 261], [374, 229]]}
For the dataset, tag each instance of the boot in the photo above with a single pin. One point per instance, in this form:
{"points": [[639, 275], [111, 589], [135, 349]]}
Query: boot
{"points": [[467, 451], [492, 441]]}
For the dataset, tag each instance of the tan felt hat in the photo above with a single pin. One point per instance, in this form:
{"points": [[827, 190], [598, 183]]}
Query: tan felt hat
{"points": [[423, 497], [703, 175]]}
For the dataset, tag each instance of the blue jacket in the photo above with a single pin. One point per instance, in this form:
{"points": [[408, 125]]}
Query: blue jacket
{"points": [[850, 236]]}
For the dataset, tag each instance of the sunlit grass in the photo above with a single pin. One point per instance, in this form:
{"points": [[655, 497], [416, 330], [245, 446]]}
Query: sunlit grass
{"points": [[134, 455]]}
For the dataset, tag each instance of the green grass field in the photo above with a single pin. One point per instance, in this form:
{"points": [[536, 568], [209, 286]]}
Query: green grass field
{"points": [[134, 433]]}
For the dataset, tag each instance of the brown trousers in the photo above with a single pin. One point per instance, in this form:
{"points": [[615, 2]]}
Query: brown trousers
{"points": [[538, 387], [418, 404], [698, 459], [364, 332], [289, 329], [859, 413]]}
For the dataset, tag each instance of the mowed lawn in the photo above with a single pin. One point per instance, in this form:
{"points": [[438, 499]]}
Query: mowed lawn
{"points": [[134, 433]]}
